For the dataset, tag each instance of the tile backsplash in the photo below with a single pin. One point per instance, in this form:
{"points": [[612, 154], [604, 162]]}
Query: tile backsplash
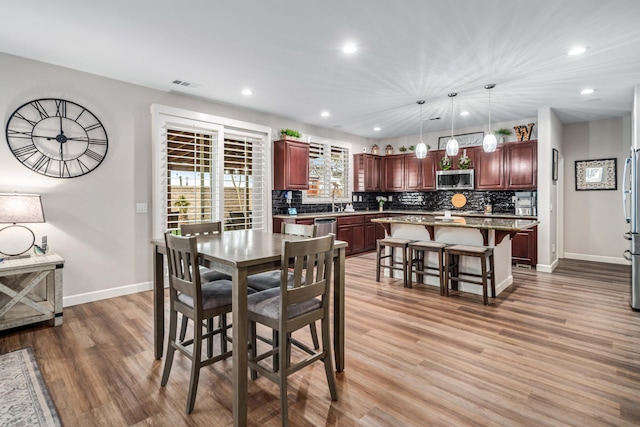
{"points": [[502, 201]]}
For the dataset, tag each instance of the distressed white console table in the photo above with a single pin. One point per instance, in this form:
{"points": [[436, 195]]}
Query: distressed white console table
{"points": [[31, 290]]}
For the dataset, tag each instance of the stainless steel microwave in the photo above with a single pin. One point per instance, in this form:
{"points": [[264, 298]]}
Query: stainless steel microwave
{"points": [[461, 179]]}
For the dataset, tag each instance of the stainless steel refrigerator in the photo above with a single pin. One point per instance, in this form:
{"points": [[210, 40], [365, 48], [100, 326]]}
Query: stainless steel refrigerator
{"points": [[630, 198]]}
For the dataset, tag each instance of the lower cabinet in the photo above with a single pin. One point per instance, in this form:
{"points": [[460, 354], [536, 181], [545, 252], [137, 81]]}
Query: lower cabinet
{"points": [[352, 230], [372, 232], [524, 247]]}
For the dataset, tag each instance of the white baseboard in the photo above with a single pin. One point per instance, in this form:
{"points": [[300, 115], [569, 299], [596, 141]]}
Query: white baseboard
{"points": [[597, 258], [547, 268], [106, 293]]}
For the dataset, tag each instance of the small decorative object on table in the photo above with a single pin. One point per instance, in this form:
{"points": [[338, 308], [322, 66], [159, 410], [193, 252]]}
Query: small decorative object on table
{"points": [[445, 163], [388, 149], [381, 200], [289, 134], [375, 149], [464, 162], [403, 149]]}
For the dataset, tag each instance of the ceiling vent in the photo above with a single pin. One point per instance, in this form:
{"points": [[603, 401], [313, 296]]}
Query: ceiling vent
{"points": [[186, 84]]}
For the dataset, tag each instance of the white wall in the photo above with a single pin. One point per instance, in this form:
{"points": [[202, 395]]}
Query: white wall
{"points": [[91, 220], [593, 220]]}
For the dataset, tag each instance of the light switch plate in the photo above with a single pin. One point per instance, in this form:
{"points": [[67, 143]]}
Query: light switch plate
{"points": [[141, 208]]}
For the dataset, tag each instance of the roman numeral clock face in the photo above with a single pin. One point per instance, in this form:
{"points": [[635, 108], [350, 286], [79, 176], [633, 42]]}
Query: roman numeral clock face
{"points": [[57, 138]]}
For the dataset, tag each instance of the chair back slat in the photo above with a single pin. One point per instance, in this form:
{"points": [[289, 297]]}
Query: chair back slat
{"points": [[182, 254], [201, 228], [311, 261], [299, 229]]}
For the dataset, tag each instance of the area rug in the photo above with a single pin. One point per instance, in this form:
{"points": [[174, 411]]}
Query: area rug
{"points": [[24, 398]]}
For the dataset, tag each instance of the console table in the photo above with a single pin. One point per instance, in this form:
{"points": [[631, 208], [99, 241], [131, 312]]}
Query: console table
{"points": [[31, 290]]}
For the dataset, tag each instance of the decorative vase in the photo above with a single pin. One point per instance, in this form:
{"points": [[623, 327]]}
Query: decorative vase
{"points": [[380, 208], [375, 150]]}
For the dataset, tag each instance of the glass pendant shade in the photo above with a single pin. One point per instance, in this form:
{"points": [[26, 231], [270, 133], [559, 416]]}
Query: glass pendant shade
{"points": [[489, 143], [452, 147], [421, 150]]}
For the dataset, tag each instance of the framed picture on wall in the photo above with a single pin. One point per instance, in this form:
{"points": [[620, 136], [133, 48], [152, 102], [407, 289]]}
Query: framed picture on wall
{"points": [[554, 164], [597, 174]]}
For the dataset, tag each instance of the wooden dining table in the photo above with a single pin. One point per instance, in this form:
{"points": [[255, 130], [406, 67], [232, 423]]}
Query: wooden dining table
{"points": [[241, 253]]}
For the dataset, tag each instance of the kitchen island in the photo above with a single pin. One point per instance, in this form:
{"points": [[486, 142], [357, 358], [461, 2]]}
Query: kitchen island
{"points": [[464, 230]]}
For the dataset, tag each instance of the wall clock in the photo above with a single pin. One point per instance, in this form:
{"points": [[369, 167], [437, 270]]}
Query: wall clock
{"points": [[57, 138]]}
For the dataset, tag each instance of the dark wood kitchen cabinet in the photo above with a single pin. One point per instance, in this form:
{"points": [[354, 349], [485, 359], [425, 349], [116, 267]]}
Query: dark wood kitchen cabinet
{"points": [[367, 170], [524, 247], [393, 173], [291, 165], [412, 173], [352, 230], [489, 171], [521, 165], [372, 232], [428, 172]]}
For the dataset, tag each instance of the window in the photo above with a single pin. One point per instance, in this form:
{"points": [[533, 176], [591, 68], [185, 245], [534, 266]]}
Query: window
{"points": [[329, 172], [208, 168]]}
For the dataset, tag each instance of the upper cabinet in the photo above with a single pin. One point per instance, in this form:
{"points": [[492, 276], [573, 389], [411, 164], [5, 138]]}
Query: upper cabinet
{"points": [[290, 165], [513, 166], [393, 173], [367, 169], [489, 173], [521, 165]]}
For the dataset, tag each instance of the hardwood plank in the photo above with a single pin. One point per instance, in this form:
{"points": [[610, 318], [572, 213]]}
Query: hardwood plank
{"points": [[559, 349]]}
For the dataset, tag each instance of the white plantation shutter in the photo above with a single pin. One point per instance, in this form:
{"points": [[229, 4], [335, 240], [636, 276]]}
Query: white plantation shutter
{"points": [[245, 184]]}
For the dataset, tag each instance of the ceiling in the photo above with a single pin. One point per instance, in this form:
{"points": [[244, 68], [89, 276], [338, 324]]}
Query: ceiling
{"points": [[289, 53]]}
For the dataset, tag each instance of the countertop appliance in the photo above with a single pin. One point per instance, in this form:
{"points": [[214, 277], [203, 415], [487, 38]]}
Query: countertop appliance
{"points": [[460, 179], [630, 188], [526, 203]]}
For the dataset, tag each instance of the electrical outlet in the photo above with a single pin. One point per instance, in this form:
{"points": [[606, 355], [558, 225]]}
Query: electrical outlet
{"points": [[553, 248], [141, 208]]}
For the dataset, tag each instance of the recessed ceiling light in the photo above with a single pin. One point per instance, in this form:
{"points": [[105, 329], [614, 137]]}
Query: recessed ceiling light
{"points": [[577, 50], [586, 91], [349, 48], [376, 129], [464, 113], [247, 92], [325, 114]]}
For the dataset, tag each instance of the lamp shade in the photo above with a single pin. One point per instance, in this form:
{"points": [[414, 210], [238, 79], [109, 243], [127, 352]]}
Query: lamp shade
{"points": [[452, 147], [21, 208], [489, 143], [421, 150]]}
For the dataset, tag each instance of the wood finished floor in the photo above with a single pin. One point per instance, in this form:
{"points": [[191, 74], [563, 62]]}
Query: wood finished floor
{"points": [[559, 349]]}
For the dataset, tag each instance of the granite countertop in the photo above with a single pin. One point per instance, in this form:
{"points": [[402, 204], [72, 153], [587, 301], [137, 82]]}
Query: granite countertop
{"points": [[485, 222], [454, 212]]}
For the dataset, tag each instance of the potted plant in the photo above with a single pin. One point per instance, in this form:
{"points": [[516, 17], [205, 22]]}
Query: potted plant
{"points": [[412, 148], [403, 149], [502, 133], [381, 200], [289, 134]]}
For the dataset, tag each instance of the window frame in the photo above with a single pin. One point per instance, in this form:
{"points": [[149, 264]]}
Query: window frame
{"points": [[163, 116]]}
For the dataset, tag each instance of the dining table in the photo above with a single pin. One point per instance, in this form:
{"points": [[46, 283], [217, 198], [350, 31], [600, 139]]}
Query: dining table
{"points": [[242, 253]]}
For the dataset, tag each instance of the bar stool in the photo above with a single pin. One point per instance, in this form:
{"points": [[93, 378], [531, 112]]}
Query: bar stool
{"points": [[453, 274], [421, 268], [392, 243]]}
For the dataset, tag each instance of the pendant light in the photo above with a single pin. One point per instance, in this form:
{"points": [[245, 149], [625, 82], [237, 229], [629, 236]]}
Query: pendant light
{"points": [[452, 144], [421, 149], [489, 142]]}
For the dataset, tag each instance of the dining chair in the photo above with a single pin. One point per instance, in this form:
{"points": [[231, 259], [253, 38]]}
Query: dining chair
{"points": [[295, 304], [196, 301], [206, 274], [263, 281]]}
